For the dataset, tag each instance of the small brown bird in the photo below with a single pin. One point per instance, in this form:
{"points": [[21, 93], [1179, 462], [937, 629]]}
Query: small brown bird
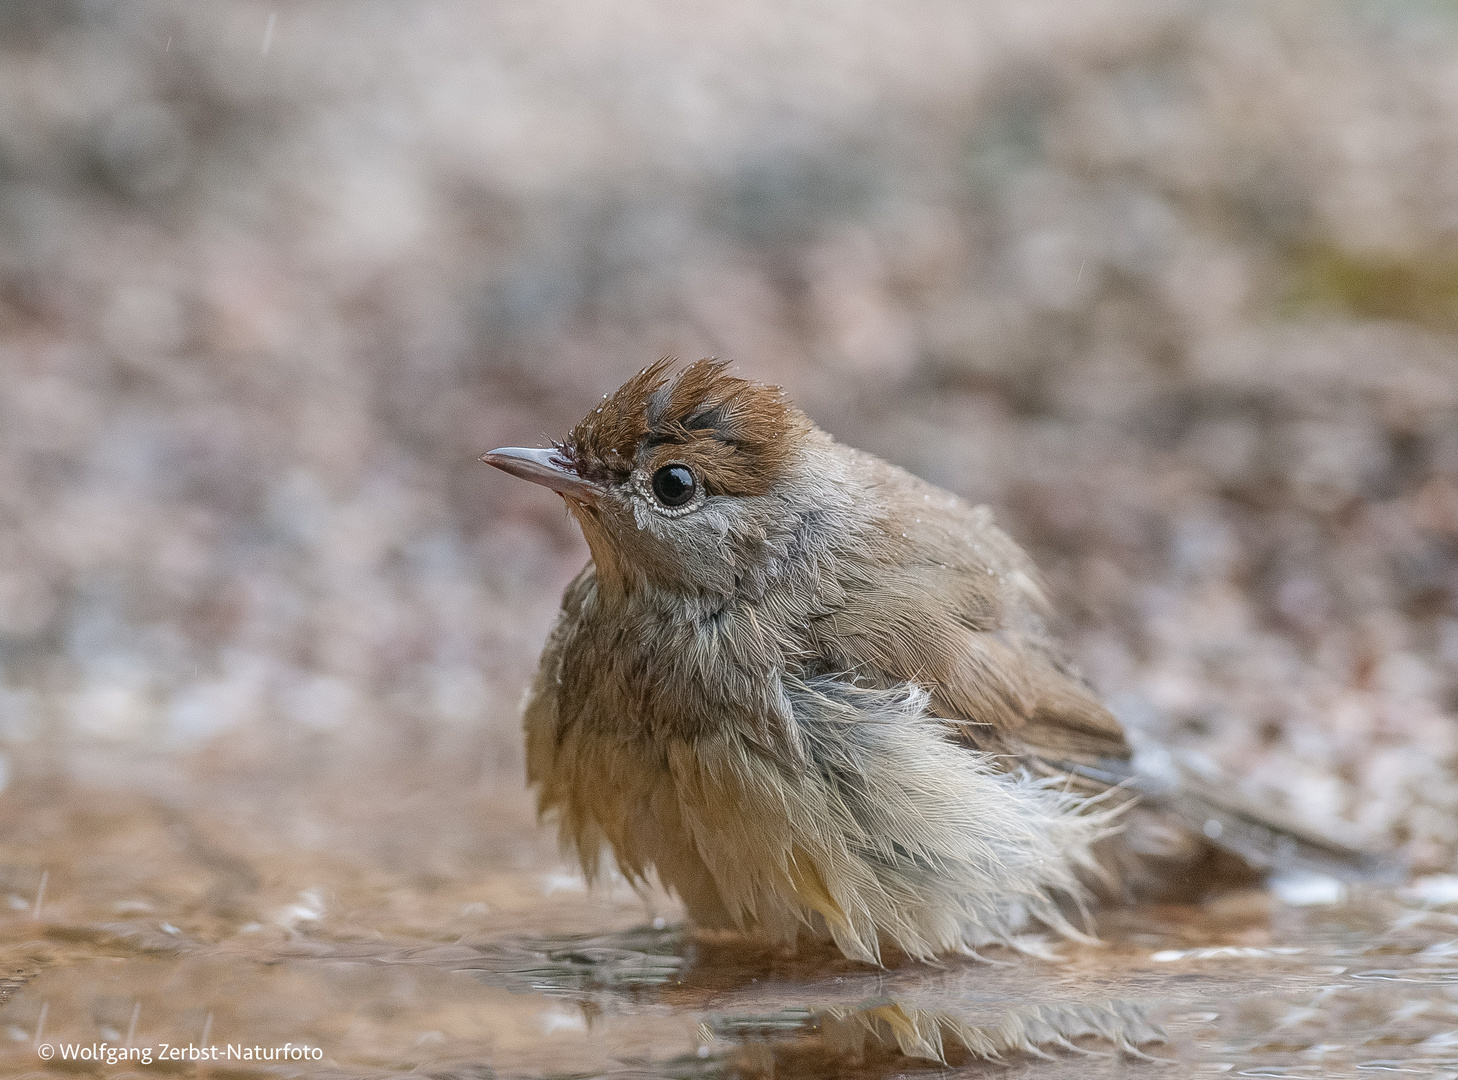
{"points": [[809, 690]]}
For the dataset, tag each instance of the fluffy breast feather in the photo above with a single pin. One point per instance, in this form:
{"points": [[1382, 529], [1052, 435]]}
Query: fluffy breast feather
{"points": [[872, 831]]}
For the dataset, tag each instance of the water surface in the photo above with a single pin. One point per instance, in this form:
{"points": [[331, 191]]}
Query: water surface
{"points": [[442, 936]]}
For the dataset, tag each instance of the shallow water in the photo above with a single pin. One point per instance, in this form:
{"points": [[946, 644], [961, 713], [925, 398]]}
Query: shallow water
{"points": [[443, 936]]}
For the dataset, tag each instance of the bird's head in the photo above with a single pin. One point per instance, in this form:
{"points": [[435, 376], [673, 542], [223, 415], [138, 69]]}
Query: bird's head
{"points": [[682, 479]]}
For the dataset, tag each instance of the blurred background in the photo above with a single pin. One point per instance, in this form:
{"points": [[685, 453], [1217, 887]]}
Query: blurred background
{"points": [[1171, 285]]}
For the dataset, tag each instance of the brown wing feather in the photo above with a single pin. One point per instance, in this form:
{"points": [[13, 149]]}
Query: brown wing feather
{"points": [[960, 612]]}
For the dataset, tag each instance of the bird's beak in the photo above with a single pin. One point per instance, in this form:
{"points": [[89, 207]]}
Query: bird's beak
{"points": [[545, 467]]}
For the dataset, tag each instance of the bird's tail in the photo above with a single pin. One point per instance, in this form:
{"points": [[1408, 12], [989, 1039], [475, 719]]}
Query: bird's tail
{"points": [[1265, 838], [1187, 795]]}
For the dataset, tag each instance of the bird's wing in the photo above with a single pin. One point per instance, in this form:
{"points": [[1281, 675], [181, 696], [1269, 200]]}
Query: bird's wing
{"points": [[957, 608], [1008, 686]]}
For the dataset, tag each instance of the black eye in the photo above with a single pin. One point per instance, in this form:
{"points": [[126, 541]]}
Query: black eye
{"points": [[674, 485]]}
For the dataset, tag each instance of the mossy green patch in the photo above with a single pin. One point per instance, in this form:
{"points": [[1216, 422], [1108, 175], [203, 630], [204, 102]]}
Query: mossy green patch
{"points": [[1422, 288]]}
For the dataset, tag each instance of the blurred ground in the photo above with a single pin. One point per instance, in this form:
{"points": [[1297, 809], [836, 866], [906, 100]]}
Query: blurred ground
{"points": [[1172, 285]]}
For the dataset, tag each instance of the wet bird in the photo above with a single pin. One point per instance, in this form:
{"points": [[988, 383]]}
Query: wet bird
{"points": [[811, 692]]}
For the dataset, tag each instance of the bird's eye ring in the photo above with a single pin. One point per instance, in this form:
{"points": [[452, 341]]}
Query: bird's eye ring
{"points": [[674, 485]]}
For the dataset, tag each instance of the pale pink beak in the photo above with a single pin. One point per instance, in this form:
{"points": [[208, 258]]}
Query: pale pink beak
{"points": [[545, 467]]}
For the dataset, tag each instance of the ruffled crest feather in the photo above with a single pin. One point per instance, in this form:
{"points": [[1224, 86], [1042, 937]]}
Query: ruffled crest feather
{"points": [[735, 433]]}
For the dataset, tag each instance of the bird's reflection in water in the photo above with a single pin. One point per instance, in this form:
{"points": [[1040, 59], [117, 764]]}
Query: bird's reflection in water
{"points": [[1286, 1008], [766, 1009]]}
